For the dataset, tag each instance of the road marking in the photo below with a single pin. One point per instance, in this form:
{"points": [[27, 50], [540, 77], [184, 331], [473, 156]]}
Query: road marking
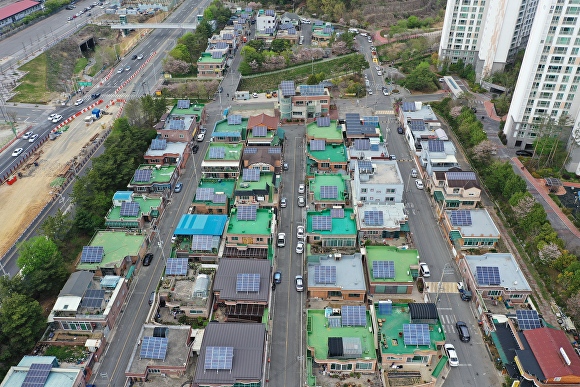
{"points": [[384, 112]]}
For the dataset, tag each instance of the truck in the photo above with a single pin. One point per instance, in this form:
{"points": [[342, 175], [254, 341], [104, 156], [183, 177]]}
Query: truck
{"points": [[242, 95]]}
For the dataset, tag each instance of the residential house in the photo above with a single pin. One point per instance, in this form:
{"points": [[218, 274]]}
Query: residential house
{"points": [[331, 229], [181, 123], [289, 17], [257, 187], [232, 130], [303, 102], [438, 156], [189, 289], [325, 158], [321, 33], [130, 210], [379, 223], [231, 354], [470, 229], [154, 179], [262, 129], [211, 65], [213, 196], [419, 123], [377, 182], [249, 233], [217, 44], [367, 149], [288, 31], [89, 304], [328, 191], [266, 20], [324, 129], [161, 152], [264, 158], [336, 278], [357, 128], [199, 236], [454, 189], [34, 370], [391, 270], [222, 160], [242, 286], [113, 253]]}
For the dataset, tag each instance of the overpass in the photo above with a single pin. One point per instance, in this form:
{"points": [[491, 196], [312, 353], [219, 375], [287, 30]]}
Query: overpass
{"points": [[167, 26]]}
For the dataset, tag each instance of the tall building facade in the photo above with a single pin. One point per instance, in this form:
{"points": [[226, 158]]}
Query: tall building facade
{"points": [[549, 77], [485, 33]]}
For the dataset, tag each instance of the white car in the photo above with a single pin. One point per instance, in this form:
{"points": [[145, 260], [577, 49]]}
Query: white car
{"points": [[300, 247], [299, 283], [119, 71], [27, 135], [370, 92], [424, 270], [17, 152], [301, 188], [200, 137], [451, 354], [419, 184], [140, 56], [52, 116], [57, 118], [33, 138], [79, 101], [300, 232], [254, 95], [301, 201]]}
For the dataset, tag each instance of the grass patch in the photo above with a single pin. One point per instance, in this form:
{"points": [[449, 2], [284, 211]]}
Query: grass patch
{"points": [[33, 88], [331, 68], [81, 64]]}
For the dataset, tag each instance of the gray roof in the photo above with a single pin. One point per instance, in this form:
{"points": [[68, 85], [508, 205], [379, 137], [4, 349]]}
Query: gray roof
{"points": [[482, 225], [248, 342], [77, 284], [511, 275], [226, 277], [349, 272]]}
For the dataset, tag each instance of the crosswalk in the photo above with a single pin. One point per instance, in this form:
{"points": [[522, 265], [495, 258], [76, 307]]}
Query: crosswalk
{"points": [[446, 287], [384, 112], [447, 322]]}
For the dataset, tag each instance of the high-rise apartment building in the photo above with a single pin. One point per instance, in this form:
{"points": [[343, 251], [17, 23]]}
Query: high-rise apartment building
{"points": [[485, 33]]}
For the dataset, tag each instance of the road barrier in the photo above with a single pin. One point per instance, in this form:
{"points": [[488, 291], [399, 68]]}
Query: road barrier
{"points": [[136, 72]]}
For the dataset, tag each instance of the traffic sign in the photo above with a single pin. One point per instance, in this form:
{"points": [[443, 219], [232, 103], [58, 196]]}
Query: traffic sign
{"points": [[85, 83]]}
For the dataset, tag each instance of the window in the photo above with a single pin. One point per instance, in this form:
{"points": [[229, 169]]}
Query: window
{"points": [[517, 296], [234, 238], [364, 366], [494, 293], [324, 165], [353, 295], [334, 294], [340, 367]]}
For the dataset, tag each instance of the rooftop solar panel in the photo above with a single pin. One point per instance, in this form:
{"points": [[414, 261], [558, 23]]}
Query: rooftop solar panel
{"points": [[130, 209], [362, 144], [384, 269], [183, 104], [417, 125], [37, 375], [251, 174], [325, 274], [461, 176], [317, 145], [202, 243], [385, 307], [217, 54], [234, 119], [373, 218], [461, 218], [327, 30], [274, 150], [323, 121], [269, 30], [269, 12], [177, 266], [218, 152], [247, 212], [153, 348], [250, 151], [352, 117], [328, 192], [528, 319], [371, 119], [204, 194], [311, 90], [408, 106], [436, 146], [321, 223], [221, 45], [219, 198], [354, 316], [93, 298], [292, 31], [287, 88], [259, 131], [92, 254], [416, 334], [158, 144], [176, 124], [248, 282], [142, 175], [218, 358], [488, 275], [337, 213], [365, 166]]}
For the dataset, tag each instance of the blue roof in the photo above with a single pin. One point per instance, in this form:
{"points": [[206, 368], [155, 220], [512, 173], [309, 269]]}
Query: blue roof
{"points": [[122, 195], [200, 224]]}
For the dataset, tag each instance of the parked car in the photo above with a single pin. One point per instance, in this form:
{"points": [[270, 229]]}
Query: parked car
{"points": [[300, 247], [463, 331], [33, 138], [277, 277], [301, 201], [419, 184], [281, 239], [301, 188], [285, 166], [299, 283], [178, 187], [465, 294], [202, 130], [195, 148], [79, 101], [50, 117], [17, 152], [254, 95], [524, 153], [200, 137], [27, 135], [424, 268], [414, 173], [147, 259], [386, 92], [400, 130], [451, 354], [283, 203], [300, 232]]}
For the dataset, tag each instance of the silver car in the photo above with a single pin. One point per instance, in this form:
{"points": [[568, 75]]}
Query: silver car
{"points": [[301, 201]]}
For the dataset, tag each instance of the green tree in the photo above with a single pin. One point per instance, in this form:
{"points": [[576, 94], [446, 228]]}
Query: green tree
{"points": [[181, 52], [57, 227], [257, 45], [21, 324], [421, 78], [279, 45]]}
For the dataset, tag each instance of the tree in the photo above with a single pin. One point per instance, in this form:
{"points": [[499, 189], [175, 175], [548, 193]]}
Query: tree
{"points": [[57, 227], [279, 45], [21, 323], [573, 306], [257, 45], [421, 78], [180, 52], [483, 152]]}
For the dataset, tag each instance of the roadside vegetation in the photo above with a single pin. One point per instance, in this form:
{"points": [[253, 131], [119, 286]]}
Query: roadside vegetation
{"points": [[412, 24]]}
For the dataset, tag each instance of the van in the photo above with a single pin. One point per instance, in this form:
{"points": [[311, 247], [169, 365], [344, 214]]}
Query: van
{"points": [[152, 298], [281, 240], [353, 30], [424, 270]]}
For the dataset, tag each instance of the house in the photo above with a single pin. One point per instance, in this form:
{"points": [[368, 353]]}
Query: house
{"points": [[438, 156], [391, 270], [217, 44], [16, 11], [330, 230], [264, 158], [378, 223], [161, 152], [321, 33], [267, 35], [131, 210], [231, 354], [199, 236], [470, 229], [89, 304], [43, 371], [357, 128], [325, 158], [232, 130], [181, 123], [341, 340], [287, 31], [222, 160], [211, 65], [367, 149], [262, 129], [154, 178], [419, 123], [112, 253], [189, 290], [336, 278], [377, 182], [213, 196], [257, 187], [289, 17], [249, 232], [302, 102], [266, 20], [328, 191], [324, 129], [454, 189], [242, 286], [161, 351]]}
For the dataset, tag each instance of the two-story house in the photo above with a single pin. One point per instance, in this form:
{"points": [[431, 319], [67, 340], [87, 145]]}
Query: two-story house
{"points": [[262, 129], [356, 128], [454, 189], [303, 102], [336, 278], [154, 178], [162, 152], [181, 123], [377, 182], [264, 158], [257, 187], [211, 65], [249, 232], [233, 129], [437, 155], [470, 229], [419, 123], [329, 191], [222, 160]]}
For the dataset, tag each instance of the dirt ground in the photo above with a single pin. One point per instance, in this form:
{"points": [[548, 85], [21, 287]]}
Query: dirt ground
{"points": [[22, 201]]}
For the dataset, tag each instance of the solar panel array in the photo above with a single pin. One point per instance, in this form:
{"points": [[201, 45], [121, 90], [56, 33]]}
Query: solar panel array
{"points": [[234, 119], [218, 152], [250, 151], [218, 358], [217, 55], [384, 269], [311, 90], [176, 266], [528, 319], [436, 146], [317, 145], [269, 30], [142, 175], [228, 36], [204, 194], [334, 321], [323, 121], [93, 298], [158, 144], [221, 45], [160, 331], [354, 316], [269, 12], [176, 124], [370, 119], [460, 176], [219, 198], [408, 106], [37, 375], [92, 254], [416, 334], [202, 243], [248, 212], [488, 275], [327, 30], [248, 282], [251, 174], [328, 192], [324, 274], [321, 223], [259, 131], [461, 218], [385, 307], [274, 150], [373, 218], [292, 31], [287, 88], [337, 213], [183, 104], [153, 348], [362, 144], [129, 209], [352, 118], [365, 166], [417, 125]]}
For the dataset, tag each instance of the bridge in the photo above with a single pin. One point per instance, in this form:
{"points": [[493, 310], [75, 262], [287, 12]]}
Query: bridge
{"points": [[167, 26]]}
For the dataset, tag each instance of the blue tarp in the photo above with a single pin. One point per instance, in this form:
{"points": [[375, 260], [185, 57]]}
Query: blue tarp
{"points": [[200, 224]]}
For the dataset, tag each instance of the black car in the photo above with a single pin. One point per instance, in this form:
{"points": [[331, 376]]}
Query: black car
{"points": [[147, 259], [463, 331], [400, 130], [525, 153], [95, 95], [195, 149]]}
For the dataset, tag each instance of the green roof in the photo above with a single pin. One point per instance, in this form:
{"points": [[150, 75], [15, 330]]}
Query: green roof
{"points": [[226, 186], [402, 258], [340, 226], [222, 127], [206, 57], [232, 151], [193, 110], [318, 333], [334, 153], [158, 175], [117, 245], [145, 207], [328, 180], [393, 325], [264, 183], [332, 132], [260, 226]]}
